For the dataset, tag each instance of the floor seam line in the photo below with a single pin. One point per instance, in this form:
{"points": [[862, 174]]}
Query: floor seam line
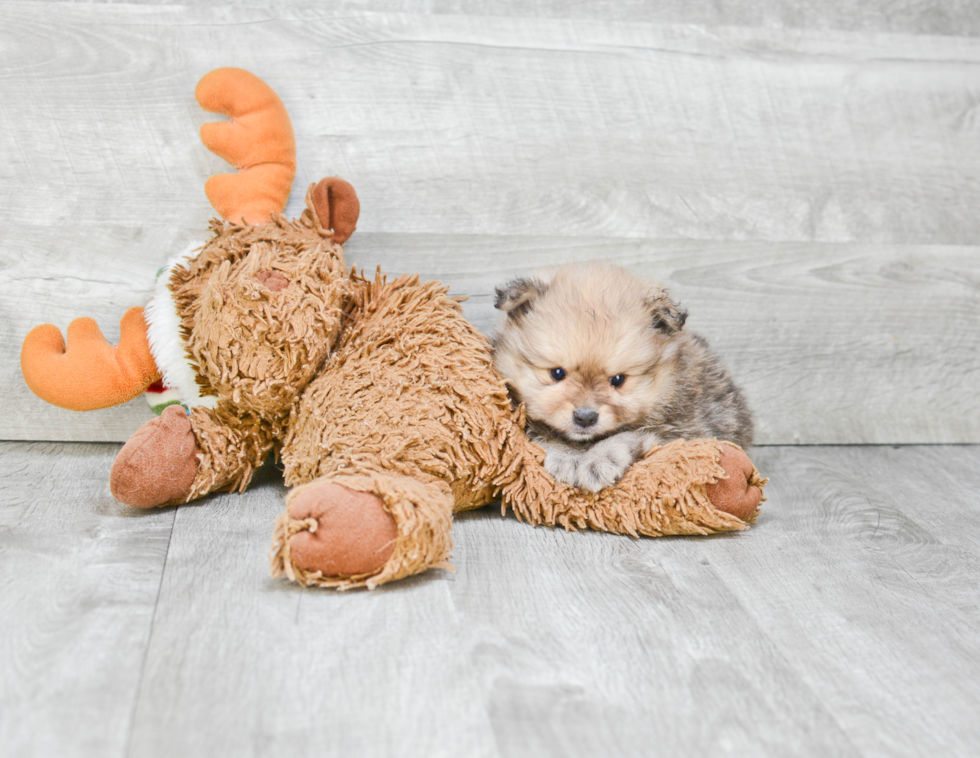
{"points": [[149, 640]]}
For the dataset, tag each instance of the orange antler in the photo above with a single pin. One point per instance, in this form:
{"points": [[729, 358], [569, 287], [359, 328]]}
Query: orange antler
{"points": [[258, 141], [89, 373]]}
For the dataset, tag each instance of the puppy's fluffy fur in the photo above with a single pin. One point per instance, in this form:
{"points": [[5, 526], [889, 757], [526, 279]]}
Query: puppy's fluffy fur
{"points": [[606, 371]]}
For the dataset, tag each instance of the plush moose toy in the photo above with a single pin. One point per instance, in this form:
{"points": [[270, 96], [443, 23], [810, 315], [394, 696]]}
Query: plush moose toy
{"points": [[380, 398]]}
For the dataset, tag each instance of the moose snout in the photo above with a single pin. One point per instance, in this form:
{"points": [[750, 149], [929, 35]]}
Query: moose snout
{"points": [[274, 280], [585, 417]]}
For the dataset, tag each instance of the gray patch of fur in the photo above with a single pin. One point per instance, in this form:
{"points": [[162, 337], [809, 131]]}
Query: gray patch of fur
{"points": [[704, 402]]}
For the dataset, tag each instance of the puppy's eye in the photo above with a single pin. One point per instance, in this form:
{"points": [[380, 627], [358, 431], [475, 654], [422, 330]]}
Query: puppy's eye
{"points": [[618, 380], [558, 374]]}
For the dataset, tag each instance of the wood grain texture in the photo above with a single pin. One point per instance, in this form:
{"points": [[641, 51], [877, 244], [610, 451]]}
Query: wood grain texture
{"points": [[845, 622], [609, 126], [879, 609], [507, 125], [953, 17], [79, 578], [832, 343]]}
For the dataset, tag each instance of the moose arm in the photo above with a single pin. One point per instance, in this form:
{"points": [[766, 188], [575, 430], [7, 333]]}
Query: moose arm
{"points": [[180, 457]]}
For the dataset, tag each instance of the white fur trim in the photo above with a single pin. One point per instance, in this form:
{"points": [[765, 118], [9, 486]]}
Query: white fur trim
{"points": [[163, 334]]}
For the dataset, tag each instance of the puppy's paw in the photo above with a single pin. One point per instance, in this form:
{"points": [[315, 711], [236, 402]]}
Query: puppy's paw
{"points": [[605, 463], [561, 462]]}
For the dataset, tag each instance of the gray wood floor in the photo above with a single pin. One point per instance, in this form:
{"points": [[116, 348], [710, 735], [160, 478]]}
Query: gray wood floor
{"points": [[846, 622]]}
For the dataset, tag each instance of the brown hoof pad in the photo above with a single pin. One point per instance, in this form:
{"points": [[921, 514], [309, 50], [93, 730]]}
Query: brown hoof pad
{"points": [[158, 464], [354, 534], [734, 494]]}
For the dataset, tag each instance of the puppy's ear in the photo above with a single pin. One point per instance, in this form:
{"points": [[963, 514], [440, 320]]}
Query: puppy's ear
{"points": [[517, 297], [666, 315]]}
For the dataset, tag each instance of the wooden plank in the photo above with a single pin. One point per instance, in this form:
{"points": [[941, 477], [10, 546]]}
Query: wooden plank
{"points": [[274, 669], [845, 622], [952, 17], [547, 643], [833, 343], [543, 643], [80, 576], [493, 126], [867, 588], [500, 125]]}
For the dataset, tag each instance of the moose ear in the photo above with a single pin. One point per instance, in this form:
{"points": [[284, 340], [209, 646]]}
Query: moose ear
{"points": [[335, 204], [666, 315], [516, 298]]}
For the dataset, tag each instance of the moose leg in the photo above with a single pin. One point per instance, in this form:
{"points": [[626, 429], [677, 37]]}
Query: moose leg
{"points": [[232, 449], [158, 464], [684, 487], [362, 530], [179, 457], [739, 492]]}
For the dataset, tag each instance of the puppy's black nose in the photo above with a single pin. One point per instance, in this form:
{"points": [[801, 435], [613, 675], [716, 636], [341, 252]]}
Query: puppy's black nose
{"points": [[585, 417]]}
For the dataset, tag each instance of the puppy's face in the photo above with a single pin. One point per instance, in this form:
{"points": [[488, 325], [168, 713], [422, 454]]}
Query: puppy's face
{"points": [[589, 352]]}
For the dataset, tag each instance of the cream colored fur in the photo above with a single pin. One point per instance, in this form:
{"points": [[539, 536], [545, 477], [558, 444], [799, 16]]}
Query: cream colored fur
{"points": [[593, 339]]}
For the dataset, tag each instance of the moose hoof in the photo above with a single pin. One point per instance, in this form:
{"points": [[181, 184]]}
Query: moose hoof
{"points": [[734, 494], [158, 464], [354, 534]]}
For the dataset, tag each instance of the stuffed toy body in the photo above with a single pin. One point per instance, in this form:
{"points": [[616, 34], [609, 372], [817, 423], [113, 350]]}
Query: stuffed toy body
{"points": [[379, 397]]}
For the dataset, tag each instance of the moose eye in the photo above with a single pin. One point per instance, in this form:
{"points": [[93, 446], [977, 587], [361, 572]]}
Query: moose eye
{"points": [[618, 380], [558, 374]]}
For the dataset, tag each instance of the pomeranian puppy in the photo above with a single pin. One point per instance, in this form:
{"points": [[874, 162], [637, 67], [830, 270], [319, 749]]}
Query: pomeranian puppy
{"points": [[606, 371]]}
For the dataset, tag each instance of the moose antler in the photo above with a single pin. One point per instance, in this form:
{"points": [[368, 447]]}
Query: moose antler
{"points": [[258, 141], [89, 373]]}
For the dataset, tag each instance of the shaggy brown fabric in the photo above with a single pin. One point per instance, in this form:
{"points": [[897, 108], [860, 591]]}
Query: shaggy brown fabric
{"points": [[665, 493], [410, 390], [256, 345], [423, 517], [383, 388], [233, 446], [408, 403], [410, 395]]}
